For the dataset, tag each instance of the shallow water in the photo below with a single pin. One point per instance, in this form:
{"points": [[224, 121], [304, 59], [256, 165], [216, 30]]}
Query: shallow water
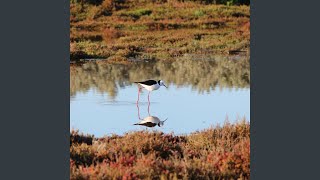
{"points": [[199, 95]]}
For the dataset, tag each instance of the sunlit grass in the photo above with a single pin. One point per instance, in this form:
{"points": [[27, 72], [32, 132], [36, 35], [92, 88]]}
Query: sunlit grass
{"points": [[157, 30]]}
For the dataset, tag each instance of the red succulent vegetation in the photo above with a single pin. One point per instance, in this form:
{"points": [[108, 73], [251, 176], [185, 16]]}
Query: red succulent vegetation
{"points": [[214, 153]]}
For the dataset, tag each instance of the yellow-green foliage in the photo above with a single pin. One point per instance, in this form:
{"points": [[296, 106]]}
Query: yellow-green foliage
{"points": [[157, 30], [215, 153]]}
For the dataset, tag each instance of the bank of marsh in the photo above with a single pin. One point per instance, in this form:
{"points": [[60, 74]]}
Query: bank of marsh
{"points": [[220, 152], [157, 30]]}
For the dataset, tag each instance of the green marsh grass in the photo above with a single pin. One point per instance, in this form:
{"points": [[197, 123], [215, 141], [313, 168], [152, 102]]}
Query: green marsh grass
{"points": [[162, 30]]}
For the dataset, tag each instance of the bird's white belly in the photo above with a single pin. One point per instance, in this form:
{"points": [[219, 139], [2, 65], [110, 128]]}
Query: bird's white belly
{"points": [[151, 88], [151, 119]]}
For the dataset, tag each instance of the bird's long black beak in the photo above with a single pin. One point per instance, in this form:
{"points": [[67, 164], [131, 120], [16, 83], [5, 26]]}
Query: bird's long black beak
{"points": [[165, 86]]}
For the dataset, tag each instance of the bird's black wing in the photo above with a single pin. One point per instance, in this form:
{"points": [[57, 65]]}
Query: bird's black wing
{"points": [[148, 82]]}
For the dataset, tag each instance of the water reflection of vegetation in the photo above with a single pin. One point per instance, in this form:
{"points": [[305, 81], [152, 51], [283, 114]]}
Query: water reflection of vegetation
{"points": [[203, 76]]}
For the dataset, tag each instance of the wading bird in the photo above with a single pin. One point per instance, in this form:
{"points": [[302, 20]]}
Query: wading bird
{"points": [[149, 85]]}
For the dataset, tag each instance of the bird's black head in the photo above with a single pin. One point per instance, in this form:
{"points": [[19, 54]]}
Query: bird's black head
{"points": [[161, 83]]}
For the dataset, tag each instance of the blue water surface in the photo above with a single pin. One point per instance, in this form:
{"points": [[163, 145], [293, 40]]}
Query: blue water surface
{"points": [[185, 109]]}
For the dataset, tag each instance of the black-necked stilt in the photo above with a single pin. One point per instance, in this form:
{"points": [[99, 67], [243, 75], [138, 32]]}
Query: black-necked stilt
{"points": [[151, 121], [150, 85]]}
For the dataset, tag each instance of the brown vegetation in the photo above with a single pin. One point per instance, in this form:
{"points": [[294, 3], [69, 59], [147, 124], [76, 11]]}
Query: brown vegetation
{"points": [[162, 30], [215, 153]]}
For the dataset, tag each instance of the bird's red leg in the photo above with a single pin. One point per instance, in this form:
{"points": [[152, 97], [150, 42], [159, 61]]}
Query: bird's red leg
{"points": [[149, 108], [138, 112], [149, 104], [138, 96]]}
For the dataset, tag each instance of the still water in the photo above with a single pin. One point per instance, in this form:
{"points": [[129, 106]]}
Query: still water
{"points": [[200, 94]]}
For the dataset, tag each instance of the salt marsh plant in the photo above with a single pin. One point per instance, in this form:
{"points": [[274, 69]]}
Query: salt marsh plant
{"points": [[220, 152]]}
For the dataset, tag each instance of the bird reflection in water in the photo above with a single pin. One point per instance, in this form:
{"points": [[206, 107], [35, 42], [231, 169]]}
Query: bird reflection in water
{"points": [[149, 121], [139, 110]]}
